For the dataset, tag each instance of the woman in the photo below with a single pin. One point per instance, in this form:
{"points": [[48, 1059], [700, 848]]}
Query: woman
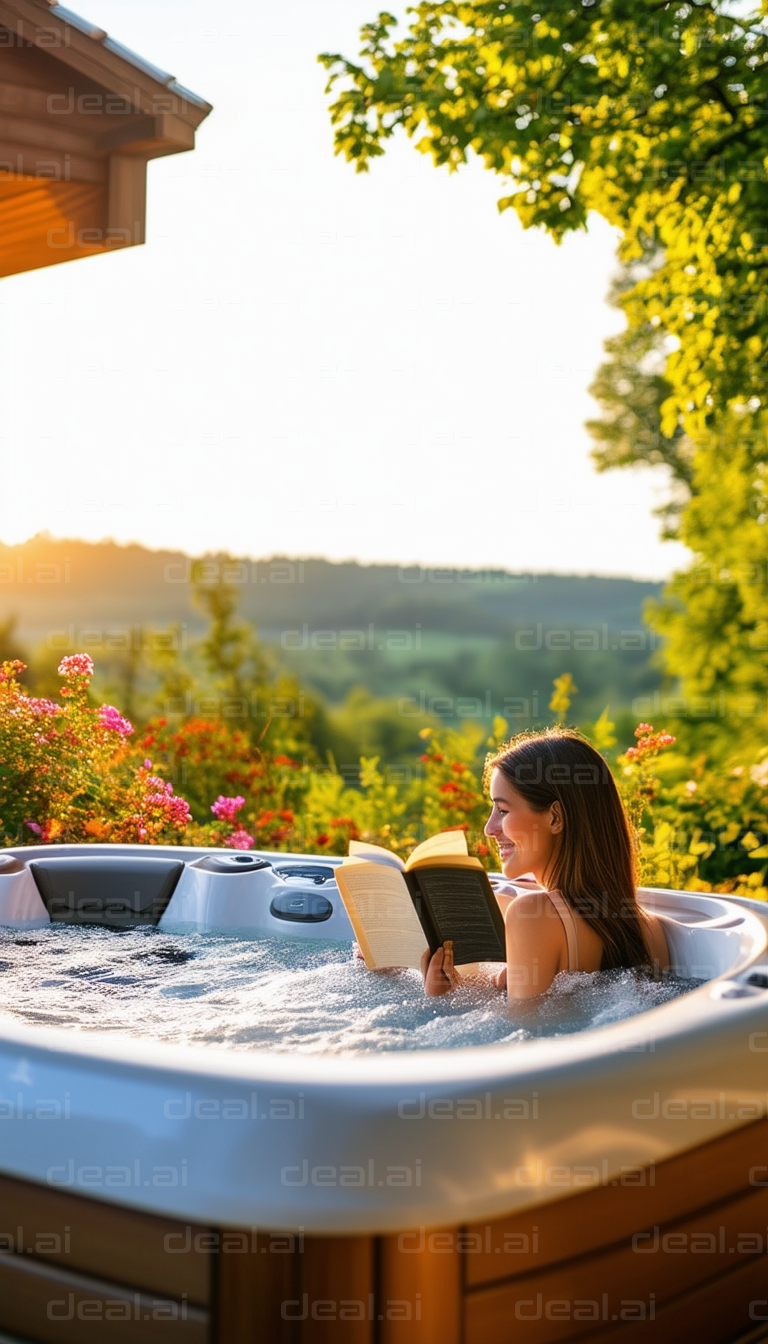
{"points": [[557, 814]]}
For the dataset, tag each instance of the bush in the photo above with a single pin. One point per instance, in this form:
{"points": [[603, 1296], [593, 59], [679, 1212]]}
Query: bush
{"points": [[72, 772]]}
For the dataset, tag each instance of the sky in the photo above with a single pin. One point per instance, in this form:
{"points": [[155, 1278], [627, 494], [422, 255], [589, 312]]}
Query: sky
{"points": [[307, 361]]}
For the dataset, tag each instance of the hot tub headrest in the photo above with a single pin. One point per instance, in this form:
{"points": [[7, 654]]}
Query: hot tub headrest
{"points": [[106, 889]]}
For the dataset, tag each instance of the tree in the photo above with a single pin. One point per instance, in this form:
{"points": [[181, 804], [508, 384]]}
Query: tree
{"points": [[715, 615], [630, 388], [652, 114]]}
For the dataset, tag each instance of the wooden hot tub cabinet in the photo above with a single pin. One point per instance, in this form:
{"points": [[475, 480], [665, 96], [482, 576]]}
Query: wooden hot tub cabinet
{"points": [[679, 1251]]}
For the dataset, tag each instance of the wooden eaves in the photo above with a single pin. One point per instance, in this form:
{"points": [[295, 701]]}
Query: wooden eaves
{"points": [[80, 116]]}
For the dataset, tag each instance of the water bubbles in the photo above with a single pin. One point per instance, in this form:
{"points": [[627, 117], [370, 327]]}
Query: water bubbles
{"points": [[284, 995]]}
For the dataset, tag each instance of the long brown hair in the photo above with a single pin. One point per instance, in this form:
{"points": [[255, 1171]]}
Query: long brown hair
{"points": [[596, 867]]}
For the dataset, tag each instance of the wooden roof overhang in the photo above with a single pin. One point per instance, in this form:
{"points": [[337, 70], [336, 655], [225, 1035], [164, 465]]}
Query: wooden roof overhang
{"points": [[80, 116]]}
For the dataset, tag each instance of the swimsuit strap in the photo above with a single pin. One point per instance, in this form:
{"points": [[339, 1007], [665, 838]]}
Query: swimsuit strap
{"points": [[569, 924]]}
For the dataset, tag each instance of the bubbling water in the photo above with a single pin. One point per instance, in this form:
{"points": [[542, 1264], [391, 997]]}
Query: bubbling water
{"points": [[282, 994]]}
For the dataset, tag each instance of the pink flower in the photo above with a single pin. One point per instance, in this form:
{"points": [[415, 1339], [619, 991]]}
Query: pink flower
{"points": [[33, 826], [111, 718], [241, 840], [225, 808], [180, 812], [147, 764], [40, 707], [76, 665]]}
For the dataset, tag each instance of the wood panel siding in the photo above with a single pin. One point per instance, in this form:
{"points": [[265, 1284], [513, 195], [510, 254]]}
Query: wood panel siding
{"points": [[631, 1280], [51, 1306], [252, 1292], [604, 1214], [43, 223], [122, 1245], [724, 1309], [420, 1288]]}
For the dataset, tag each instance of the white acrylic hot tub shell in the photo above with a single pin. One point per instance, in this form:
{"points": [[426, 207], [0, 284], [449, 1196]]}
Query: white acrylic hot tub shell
{"points": [[359, 1144]]}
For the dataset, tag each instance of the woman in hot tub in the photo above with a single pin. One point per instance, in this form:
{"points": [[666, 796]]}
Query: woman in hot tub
{"points": [[556, 814]]}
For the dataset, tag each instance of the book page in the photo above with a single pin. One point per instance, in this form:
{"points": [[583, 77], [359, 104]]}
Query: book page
{"points": [[446, 861], [382, 913], [359, 849], [447, 842], [462, 906]]}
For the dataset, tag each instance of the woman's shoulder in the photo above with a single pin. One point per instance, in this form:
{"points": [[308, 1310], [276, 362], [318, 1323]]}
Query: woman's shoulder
{"points": [[530, 917]]}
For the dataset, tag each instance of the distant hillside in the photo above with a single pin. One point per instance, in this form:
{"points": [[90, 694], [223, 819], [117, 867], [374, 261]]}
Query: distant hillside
{"points": [[424, 634], [45, 582]]}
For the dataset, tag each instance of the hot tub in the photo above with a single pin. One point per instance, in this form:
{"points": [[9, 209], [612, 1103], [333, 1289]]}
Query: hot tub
{"points": [[611, 1183]]}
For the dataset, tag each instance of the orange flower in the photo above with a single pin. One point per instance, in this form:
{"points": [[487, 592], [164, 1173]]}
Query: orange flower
{"points": [[98, 829]]}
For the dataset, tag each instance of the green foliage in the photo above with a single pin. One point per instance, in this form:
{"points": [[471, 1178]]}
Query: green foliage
{"points": [[602, 734], [564, 691], [651, 115], [715, 615], [654, 116], [230, 649], [630, 387], [702, 818]]}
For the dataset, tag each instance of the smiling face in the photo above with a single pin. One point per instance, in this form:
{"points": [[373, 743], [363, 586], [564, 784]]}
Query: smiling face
{"points": [[528, 841]]}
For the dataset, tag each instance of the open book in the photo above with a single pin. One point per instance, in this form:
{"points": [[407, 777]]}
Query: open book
{"points": [[398, 910]]}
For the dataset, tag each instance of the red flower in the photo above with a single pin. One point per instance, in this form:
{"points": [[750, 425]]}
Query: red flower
{"points": [[322, 839]]}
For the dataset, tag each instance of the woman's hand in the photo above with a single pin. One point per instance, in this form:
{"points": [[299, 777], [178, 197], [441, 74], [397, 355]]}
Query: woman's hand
{"points": [[440, 976]]}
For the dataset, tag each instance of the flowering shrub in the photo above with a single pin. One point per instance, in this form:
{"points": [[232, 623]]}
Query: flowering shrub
{"points": [[206, 758], [225, 811], [143, 810], [69, 771]]}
